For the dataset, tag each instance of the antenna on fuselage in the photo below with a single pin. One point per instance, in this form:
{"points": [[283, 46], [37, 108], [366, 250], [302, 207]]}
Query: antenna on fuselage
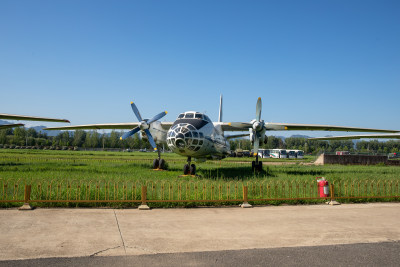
{"points": [[220, 109]]}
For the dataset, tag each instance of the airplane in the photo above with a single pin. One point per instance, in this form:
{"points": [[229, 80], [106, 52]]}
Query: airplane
{"points": [[360, 136], [24, 118], [194, 135]]}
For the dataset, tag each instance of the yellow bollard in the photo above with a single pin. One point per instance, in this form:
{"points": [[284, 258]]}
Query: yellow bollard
{"points": [[144, 206], [245, 203], [27, 198], [332, 201]]}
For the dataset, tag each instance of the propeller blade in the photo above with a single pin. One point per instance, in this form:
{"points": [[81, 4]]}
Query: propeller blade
{"points": [[136, 111], [151, 140], [258, 109], [131, 132], [243, 125], [256, 144], [157, 117]]}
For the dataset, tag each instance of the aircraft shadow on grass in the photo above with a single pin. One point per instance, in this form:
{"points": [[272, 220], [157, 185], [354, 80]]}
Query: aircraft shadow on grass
{"points": [[229, 173]]}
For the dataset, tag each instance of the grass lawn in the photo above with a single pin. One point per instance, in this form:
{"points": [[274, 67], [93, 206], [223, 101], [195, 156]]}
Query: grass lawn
{"points": [[130, 169]]}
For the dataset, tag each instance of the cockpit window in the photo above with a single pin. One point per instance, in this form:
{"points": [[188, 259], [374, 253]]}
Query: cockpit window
{"points": [[198, 116], [207, 118], [189, 116], [181, 116]]}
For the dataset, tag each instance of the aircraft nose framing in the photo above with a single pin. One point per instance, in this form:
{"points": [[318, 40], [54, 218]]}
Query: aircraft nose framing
{"points": [[184, 136]]}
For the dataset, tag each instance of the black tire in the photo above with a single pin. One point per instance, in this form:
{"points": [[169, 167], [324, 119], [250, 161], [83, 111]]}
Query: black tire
{"points": [[186, 169], [260, 166], [193, 169], [253, 166], [155, 164], [161, 164]]}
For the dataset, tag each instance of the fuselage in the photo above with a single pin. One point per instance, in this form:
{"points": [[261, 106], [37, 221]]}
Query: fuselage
{"points": [[194, 135]]}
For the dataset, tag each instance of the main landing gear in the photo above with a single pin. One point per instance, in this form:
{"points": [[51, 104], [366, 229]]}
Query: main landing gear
{"points": [[189, 168], [256, 165], [159, 163]]}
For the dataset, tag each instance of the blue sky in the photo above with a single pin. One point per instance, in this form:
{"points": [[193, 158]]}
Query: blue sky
{"points": [[322, 62]]}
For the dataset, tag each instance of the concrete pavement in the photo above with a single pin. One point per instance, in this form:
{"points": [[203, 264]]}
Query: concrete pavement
{"points": [[46, 233]]}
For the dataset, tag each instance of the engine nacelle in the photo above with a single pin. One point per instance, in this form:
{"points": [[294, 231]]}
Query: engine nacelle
{"points": [[251, 136], [158, 133]]}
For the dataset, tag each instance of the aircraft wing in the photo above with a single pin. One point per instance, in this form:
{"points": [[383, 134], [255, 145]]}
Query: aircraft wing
{"points": [[236, 136], [270, 126], [318, 127], [234, 127], [347, 137], [29, 118], [5, 126], [122, 126]]}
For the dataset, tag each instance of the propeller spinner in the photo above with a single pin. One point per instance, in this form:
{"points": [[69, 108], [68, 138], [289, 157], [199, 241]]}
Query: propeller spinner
{"points": [[144, 125]]}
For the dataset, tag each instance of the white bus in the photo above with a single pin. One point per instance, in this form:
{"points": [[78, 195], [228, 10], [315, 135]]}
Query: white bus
{"points": [[263, 153], [278, 153], [291, 154], [295, 154], [299, 154]]}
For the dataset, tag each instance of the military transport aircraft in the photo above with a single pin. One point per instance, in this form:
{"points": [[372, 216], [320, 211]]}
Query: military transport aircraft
{"points": [[25, 118], [194, 135], [360, 136]]}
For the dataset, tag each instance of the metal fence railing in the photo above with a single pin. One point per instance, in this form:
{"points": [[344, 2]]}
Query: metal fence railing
{"points": [[195, 193]]}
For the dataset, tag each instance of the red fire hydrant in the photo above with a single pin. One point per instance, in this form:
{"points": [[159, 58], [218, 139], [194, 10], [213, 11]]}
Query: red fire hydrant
{"points": [[323, 187]]}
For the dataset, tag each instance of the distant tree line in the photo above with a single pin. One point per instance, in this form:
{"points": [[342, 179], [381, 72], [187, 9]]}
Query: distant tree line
{"points": [[92, 139], [317, 146], [84, 139]]}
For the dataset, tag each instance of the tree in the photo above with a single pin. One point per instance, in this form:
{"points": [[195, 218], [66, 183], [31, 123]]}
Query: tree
{"points": [[114, 139], [19, 136], [79, 138], [3, 136]]}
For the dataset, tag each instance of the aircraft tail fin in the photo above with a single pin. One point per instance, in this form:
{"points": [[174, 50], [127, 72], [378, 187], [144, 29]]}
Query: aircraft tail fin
{"points": [[220, 109]]}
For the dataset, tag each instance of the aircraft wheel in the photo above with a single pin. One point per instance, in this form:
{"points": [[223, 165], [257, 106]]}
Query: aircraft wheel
{"points": [[193, 169], [161, 164], [155, 163], [186, 169], [260, 166]]}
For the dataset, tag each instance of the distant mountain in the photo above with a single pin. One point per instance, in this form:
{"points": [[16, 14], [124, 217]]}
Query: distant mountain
{"points": [[49, 133], [4, 122], [300, 136], [37, 128]]}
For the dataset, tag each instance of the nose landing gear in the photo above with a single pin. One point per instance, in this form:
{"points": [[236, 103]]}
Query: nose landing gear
{"points": [[189, 169], [256, 165]]}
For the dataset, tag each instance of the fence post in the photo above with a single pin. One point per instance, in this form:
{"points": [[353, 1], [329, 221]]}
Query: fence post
{"points": [[27, 198], [245, 203], [332, 201], [144, 206]]}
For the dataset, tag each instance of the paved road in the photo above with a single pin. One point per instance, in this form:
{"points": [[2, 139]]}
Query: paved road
{"points": [[373, 254], [87, 233]]}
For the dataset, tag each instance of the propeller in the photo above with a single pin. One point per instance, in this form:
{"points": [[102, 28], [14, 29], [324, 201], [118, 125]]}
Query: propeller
{"points": [[144, 125], [256, 127]]}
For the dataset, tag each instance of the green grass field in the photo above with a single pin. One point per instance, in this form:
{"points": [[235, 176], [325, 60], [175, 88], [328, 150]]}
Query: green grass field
{"points": [[40, 168]]}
